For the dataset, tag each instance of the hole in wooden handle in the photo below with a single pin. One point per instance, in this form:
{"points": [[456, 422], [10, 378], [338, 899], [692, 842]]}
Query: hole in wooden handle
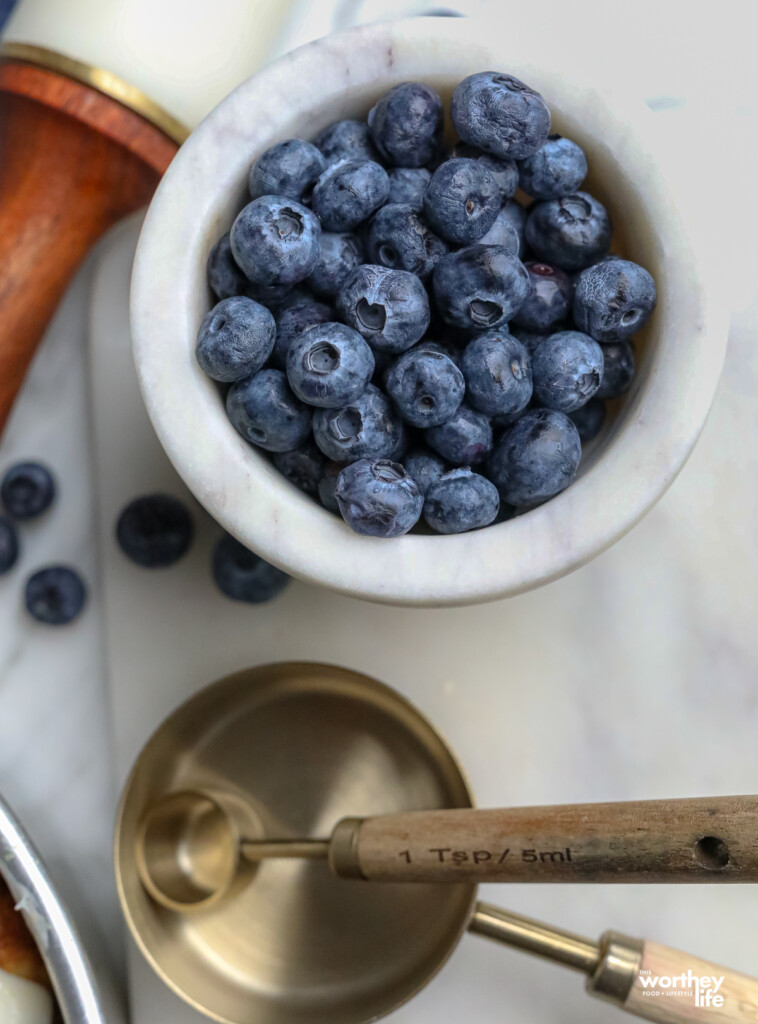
{"points": [[711, 853]]}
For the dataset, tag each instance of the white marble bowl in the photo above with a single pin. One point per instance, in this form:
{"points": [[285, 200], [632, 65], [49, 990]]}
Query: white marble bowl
{"points": [[655, 209]]}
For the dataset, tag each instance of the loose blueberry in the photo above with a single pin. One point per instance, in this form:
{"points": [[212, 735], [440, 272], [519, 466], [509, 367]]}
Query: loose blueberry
{"points": [[516, 214], [9, 546], [503, 233], [445, 348], [406, 124], [288, 169], [479, 287], [263, 409], [349, 192], [567, 369], [399, 239], [338, 256], [55, 596], [155, 531], [426, 387], [292, 322], [303, 466], [368, 428], [529, 339], [498, 374], [614, 299], [465, 439], [505, 172], [557, 169], [570, 233], [390, 308], [549, 300], [425, 467], [462, 201], [327, 485], [408, 185], [500, 114], [460, 501], [618, 369], [27, 490], [224, 276], [275, 297], [275, 240], [346, 140], [235, 339], [589, 420], [329, 366], [378, 498], [537, 458], [242, 575]]}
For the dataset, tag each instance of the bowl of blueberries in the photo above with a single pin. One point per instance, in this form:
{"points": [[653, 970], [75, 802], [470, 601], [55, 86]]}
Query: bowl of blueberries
{"points": [[426, 318]]}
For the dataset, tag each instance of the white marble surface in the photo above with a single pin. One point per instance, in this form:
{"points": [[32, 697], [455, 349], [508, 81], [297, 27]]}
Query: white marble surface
{"points": [[635, 677]]}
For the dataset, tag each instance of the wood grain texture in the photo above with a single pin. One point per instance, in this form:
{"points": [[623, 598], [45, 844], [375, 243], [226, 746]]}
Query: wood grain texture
{"points": [[739, 992], [72, 163], [698, 840]]}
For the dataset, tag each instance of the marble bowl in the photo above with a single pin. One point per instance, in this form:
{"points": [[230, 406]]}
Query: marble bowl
{"points": [[656, 211]]}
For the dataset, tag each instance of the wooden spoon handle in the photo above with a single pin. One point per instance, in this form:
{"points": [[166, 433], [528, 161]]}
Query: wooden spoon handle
{"points": [[697, 840]]}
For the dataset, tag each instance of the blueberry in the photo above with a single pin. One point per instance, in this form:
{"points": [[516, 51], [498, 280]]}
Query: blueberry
{"points": [[275, 240], [28, 490], [567, 369], [614, 299], [425, 467], [537, 458], [462, 201], [480, 286], [461, 500], [303, 466], [328, 484], [378, 498], [399, 239], [498, 374], [529, 339], [557, 169], [465, 439], [274, 297], [445, 348], [589, 420], [9, 546], [235, 339], [266, 413], [570, 233], [224, 276], [289, 169], [55, 596], [549, 300], [338, 256], [516, 214], [155, 531], [505, 172], [244, 576], [367, 428], [292, 322], [618, 369], [500, 114], [390, 308], [426, 387], [503, 233], [329, 365], [346, 140], [406, 124], [348, 192], [408, 185]]}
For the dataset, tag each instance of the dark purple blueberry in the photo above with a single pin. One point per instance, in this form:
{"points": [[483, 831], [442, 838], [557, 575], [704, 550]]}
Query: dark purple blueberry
{"points": [[529, 339], [567, 369], [329, 365], [406, 124], [505, 172], [224, 276], [349, 192], [426, 387], [263, 409], [9, 546], [235, 339], [557, 169], [408, 185], [464, 440], [549, 300], [425, 467], [500, 114], [498, 374], [303, 466], [338, 256], [155, 531], [462, 201], [292, 322], [288, 169], [378, 498], [618, 369], [275, 240], [570, 233], [328, 484], [368, 428], [613, 299], [401, 240], [242, 575], [460, 501], [346, 140], [389, 308], [479, 287], [27, 490], [536, 459], [56, 595], [503, 233], [589, 420]]}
